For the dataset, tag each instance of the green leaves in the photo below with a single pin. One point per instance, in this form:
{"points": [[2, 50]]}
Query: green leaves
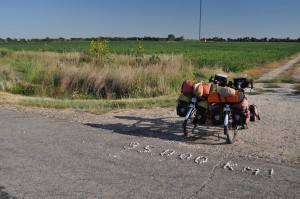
{"points": [[99, 47]]}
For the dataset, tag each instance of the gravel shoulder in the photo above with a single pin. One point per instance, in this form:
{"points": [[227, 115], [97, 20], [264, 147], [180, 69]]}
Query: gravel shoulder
{"points": [[274, 138]]}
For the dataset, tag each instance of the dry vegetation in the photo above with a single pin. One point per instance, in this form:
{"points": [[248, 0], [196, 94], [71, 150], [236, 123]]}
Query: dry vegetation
{"points": [[79, 75]]}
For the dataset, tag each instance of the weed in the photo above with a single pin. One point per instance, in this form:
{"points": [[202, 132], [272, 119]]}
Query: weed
{"points": [[138, 51], [154, 59], [23, 89], [99, 47], [4, 52]]}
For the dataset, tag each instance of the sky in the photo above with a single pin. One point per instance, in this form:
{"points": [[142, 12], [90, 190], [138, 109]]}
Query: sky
{"points": [[155, 18]]}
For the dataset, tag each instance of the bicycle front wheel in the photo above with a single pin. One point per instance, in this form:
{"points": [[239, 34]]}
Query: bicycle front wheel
{"points": [[189, 124], [230, 133], [229, 130]]}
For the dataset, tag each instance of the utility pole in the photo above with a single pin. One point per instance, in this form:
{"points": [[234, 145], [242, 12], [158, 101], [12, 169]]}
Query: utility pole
{"points": [[200, 16]]}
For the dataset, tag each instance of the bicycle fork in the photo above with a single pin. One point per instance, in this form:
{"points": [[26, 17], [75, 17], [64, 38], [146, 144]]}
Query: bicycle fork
{"points": [[192, 107], [226, 110]]}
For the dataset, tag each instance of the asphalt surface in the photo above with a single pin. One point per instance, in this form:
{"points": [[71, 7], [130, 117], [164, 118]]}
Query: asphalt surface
{"points": [[43, 157]]}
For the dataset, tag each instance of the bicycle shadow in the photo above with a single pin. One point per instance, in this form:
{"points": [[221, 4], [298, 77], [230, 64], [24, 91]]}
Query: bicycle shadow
{"points": [[165, 128], [5, 195]]}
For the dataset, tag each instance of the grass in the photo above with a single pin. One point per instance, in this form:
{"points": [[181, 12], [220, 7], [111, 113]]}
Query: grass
{"points": [[93, 106]]}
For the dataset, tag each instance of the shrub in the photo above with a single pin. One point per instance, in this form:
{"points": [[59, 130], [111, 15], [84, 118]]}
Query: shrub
{"points": [[138, 51], [99, 47], [4, 52], [23, 89]]}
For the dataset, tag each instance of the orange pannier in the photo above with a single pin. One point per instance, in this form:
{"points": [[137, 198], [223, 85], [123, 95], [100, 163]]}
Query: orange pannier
{"points": [[206, 89], [187, 87], [215, 97], [202, 89]]}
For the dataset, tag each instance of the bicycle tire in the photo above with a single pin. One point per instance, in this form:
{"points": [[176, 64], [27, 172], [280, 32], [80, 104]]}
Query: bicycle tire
{"points": [[229, 130], [231, 133], [188, 125]]}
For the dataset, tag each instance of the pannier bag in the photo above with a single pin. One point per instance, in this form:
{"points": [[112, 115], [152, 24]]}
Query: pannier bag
{"points": [[226, 91], [187, 87], [214, 97], [198, 89], [254, 114], [240, 113], [216, 114], [183, 104], [207, 88], [202, 89], [201, 113]]}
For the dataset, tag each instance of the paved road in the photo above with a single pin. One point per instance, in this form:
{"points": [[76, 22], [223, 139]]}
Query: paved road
{"points": [[48, 158]]}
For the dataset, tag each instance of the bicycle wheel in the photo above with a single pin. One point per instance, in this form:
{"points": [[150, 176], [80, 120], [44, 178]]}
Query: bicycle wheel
{"points": [[189, 124], [230, 131]]}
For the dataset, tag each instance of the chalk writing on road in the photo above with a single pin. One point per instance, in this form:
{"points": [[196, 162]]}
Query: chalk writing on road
{"points": [[200, 159]]}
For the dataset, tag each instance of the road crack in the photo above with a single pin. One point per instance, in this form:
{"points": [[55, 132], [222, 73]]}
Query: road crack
{"points": [[210, 177]]}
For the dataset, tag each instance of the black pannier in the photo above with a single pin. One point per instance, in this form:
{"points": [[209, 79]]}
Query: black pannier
{"points": [[183, 104], [216, 114], [201, 113]]}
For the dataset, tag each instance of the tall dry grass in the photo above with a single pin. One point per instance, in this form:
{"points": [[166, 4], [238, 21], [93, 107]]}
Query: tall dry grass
{"points": [[78, 75]]}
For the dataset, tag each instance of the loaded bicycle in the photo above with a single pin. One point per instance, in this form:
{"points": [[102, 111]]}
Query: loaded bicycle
{"points": [[216, 103]]}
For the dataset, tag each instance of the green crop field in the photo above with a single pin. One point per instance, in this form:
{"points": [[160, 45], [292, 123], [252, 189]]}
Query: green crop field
{"points": [[231, 56]]}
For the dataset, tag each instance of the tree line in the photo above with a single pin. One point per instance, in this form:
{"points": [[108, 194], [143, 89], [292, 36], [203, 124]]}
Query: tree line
{"points": [[170, 37]]}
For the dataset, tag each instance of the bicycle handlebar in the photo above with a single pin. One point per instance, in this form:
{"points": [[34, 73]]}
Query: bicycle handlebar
{"points": [[237, 85]]}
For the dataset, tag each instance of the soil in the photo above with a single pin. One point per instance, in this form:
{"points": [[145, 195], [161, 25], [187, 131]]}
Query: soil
{"points": [[274, 138]]}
